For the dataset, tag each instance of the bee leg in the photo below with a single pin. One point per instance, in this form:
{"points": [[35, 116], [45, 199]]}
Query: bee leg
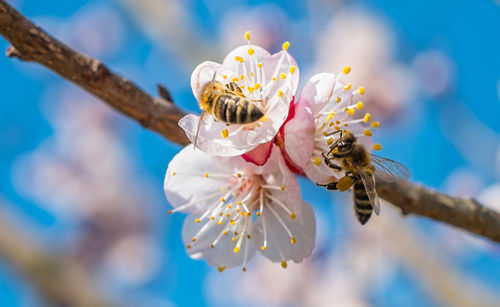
{"points": [[328, 186], [330, 164]]}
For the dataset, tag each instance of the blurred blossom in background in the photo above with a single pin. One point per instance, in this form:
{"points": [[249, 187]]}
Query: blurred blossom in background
{"points": [[87, 182]]}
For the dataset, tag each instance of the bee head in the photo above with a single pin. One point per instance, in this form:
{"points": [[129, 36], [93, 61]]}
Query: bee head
{"points": [[208, 89]]}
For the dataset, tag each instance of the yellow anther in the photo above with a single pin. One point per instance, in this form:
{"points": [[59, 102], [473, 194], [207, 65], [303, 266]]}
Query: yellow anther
{"points": [[282, 76], [225, 232], [259, 65], [193, 239], [242, 77], [238, 174], [212, 218], [257, 86], [286, 45], [292, 240], [292, 216], [212, 245], [351, 111], [251, 89], [348, 86], [337, 128], [247, 35], [361, 90], [234, 79], [239, 59], [377, 147], [282, 187], [258, 213], [263, 118], [329, 141], [170, 212], [375, 124], [236, 250], [367, 132], [221, 269], [232, 222], [188, 246], [346, 70], [198, 220], [250, 51], [367, 117], [330, 116], [242, 213], [225, 133], [219, 223], [247, 213], [251, 74], [331, 124], [223, 200], [206, 174], [228, 214], [280, 93], [244, 269], [283, 264], [338, 99], [174, 173], [233, 239], [274, 79], [292, 69], [263, 248], [316, 161], [325, 134], [359, 105], [239, 202], [224, 76]]}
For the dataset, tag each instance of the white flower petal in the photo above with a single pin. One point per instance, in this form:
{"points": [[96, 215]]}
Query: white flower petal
{"points": [[207, 72], [212, 244], [276, 227], [187, 170]]}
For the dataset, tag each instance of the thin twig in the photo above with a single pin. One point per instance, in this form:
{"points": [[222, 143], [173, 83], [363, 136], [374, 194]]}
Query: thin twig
{"points": [[30, 43]]}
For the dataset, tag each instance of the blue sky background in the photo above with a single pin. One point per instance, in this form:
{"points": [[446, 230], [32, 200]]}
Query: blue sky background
{"points": [[421, 137]]}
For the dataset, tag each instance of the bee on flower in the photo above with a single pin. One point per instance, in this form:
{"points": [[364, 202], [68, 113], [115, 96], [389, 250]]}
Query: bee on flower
{"points": [[244, 101], [238, 208]]}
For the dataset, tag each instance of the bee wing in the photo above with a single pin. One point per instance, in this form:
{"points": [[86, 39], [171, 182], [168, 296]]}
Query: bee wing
{"points": [[234, 89], [369, 183], [389, 169]]}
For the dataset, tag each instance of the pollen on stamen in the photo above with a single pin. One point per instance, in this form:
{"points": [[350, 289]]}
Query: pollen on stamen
{"points": [[174, 173], [377, 147], [223, 200], [233, 239], [221, 269], [212, 245], [258, 213], [280, 93], [292, 69], [193, 239], [338, 99], [286, 45], [206, 175], [274, 79], [282, 187], [292, 240], [282, 76], [242, 77], [197, 221], [375, 124], [263, 247], [348, 86], [239, 202], [236, 250], [225, 133], [351, 111], [292, 216], [359, 105], [284, 264], [367, 132], [263, 118], [234, 79], [367, 117], [188, 246], [244, 269], [259, 65], [346, 70], [316, 161], [212, 218], [239, 59], [329, 141], [257, 86], [250, 51], [361, 90], [219, 223], [225, 232], [170, 212], [247, 35]]}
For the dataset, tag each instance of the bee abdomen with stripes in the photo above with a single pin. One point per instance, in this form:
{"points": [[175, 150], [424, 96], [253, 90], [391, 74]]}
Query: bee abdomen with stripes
{"points": [[234, 109], [362, 206]]}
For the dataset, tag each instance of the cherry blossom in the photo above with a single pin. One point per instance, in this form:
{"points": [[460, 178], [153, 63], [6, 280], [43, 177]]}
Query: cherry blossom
{"points": [[237, 208], [268, 81], [327, 104]]}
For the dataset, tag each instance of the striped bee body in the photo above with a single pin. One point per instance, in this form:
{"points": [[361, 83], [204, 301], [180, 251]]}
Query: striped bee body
{"points": [[362, 205], [228, 104]]}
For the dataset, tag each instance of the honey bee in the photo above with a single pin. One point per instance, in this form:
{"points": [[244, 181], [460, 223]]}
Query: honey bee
{"points": [[360, 168], [227, 104]]}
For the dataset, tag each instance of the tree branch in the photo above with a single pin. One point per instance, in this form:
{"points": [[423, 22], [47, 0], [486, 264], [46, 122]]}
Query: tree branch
{"points": [[31, 43]]}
